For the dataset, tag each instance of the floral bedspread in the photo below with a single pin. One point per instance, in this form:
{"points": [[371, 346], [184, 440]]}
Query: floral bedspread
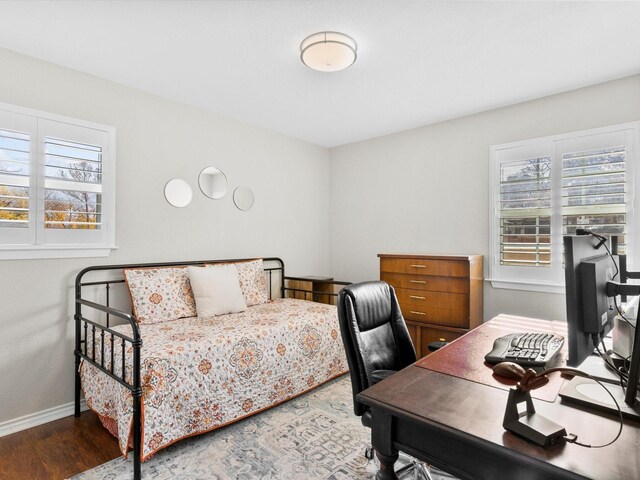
{"points": [[201, 373]]}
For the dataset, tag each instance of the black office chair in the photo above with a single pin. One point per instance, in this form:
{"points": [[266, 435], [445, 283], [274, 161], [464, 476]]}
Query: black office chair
{"points": [[376, 341]]}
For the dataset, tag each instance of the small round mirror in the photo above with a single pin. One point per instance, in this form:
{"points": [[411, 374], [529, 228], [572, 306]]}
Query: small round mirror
{"points": [[243, 198], [213, 182], [178, 192]]}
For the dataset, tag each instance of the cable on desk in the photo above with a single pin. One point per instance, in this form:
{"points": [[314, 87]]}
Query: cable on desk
{"points": [[624, 377], [572, 438]]}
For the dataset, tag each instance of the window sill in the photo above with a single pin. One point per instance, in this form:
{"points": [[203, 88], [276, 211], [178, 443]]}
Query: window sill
{"points": [[557, 288], [31, 252]]}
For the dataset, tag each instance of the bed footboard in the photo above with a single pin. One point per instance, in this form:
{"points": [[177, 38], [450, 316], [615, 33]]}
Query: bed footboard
{"points": [[92, 332]]}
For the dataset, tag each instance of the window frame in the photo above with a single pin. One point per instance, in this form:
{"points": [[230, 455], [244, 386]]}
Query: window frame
{"points": [[535, 278], [65, 243]]}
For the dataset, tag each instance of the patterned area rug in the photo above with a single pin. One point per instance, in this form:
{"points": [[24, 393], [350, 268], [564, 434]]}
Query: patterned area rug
{"points": [[314, 436]]}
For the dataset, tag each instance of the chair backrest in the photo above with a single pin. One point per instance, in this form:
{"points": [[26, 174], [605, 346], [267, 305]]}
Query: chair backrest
{"points": [[374, 334]]}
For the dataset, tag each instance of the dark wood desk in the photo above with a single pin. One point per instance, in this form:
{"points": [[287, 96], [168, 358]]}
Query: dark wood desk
{"points": [[456, 424]]}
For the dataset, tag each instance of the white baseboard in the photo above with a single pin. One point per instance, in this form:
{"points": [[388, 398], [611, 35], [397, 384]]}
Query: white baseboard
{"points": [[39, 418]]}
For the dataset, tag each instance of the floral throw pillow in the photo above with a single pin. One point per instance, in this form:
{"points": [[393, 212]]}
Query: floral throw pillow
{"points": [[253, 282], [160, 294]]}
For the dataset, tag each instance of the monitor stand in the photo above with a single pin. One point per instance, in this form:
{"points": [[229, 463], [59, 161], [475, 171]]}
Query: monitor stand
{"points": [[595, 366], [587, 393]]}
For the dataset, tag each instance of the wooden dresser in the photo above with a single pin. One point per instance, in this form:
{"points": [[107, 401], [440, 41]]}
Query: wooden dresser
{"points": [[440, 295]]}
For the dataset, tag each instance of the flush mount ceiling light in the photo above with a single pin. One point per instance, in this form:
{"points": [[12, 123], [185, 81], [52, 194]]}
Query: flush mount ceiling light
{"points": [[328, 51]]}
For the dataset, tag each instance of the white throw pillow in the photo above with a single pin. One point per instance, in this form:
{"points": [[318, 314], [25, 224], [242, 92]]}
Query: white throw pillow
{"points": [[216, 290]]}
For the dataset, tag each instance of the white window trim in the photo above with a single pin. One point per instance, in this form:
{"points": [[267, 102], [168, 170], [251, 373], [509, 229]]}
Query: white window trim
{"points": [[72, 250], [633, 179]]}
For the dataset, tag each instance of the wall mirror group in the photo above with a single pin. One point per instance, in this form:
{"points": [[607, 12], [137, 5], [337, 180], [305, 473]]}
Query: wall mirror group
{"points": [[213, 183]]}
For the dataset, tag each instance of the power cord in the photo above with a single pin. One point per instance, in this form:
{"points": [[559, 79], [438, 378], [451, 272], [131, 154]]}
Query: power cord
{"points": [[602, 242], [605, 356], [572, 438], [621, 313], [607, 359]]}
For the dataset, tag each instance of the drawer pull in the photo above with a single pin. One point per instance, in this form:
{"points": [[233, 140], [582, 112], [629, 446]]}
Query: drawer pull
{"points": [[417, 281], [417, 313], [418, 266], [416, 297]]}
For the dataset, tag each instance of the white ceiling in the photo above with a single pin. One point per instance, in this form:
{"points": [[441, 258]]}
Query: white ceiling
{"points": [[419, 62]]}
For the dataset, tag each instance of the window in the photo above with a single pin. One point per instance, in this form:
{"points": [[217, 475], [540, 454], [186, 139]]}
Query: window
{"points": [[57, 190], [548, 187]]}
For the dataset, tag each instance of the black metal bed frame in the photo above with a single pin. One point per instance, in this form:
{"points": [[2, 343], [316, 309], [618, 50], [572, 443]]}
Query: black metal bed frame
{"points": [[85, 332]]}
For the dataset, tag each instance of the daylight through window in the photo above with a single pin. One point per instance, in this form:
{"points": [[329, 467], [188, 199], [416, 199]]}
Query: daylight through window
{"points": [[56, 185], [546, 188]]}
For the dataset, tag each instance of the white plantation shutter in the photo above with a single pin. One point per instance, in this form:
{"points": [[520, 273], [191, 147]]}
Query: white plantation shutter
{"points": [[14, 179], [56, 185], [545, 188], [525, 212], [72, 158], [593, 192], [73, 185], [17, 192]]}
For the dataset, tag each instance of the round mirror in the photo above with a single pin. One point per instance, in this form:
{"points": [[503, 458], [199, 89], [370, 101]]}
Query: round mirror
{"points": [[243, 198], [213, 182], [178, 192]]}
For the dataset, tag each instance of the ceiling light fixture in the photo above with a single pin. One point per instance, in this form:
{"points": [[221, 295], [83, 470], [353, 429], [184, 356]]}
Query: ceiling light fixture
{"points": [[328, 51]]}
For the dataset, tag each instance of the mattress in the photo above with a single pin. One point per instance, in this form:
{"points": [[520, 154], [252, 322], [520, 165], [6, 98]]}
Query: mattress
{"points": [[199, 374]]}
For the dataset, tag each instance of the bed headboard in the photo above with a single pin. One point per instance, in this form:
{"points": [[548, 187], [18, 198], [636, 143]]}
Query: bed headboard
{"points": [[103, 278]]}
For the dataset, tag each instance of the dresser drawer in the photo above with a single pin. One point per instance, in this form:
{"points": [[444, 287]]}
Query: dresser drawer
{"points": [[448, 309], [442, 300], [421, 266], [428, 335], [422, 335], [426, 282], [436, 316]]}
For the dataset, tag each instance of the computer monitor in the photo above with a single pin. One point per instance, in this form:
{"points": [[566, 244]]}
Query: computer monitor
{"points": [[590, 291], [590, 312]]}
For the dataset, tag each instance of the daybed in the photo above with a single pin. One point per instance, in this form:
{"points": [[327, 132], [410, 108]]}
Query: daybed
{"points": [[166, 374]]}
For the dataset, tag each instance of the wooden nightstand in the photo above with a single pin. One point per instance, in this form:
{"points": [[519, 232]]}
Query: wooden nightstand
{"points": [[313, 288]]}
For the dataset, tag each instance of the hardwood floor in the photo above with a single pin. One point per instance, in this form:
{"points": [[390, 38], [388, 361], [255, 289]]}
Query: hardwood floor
{"points": [[57, 450]]}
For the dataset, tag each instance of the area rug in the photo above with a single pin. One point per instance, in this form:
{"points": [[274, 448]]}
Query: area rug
{"points": [[314, 436]]}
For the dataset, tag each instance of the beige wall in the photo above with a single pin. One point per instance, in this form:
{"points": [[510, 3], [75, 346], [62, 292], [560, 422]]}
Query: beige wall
{"points": [[156, 140], [323, 212], [427, 190]]}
